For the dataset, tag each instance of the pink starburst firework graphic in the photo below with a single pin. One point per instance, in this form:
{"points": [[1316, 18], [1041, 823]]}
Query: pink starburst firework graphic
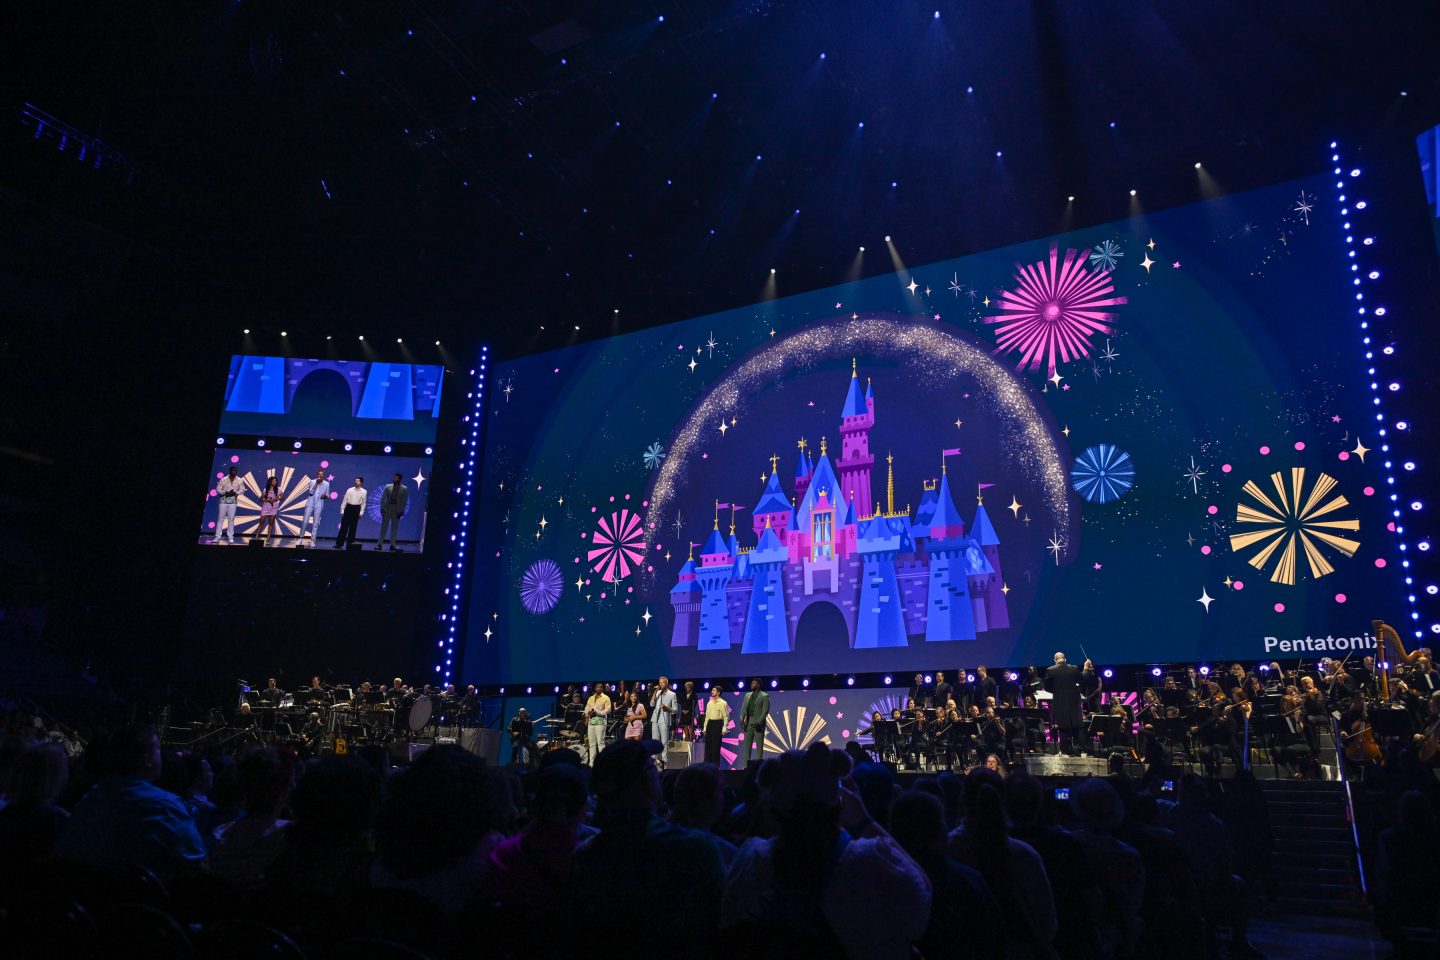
{"points": [[1059, 305], [619, 543]]}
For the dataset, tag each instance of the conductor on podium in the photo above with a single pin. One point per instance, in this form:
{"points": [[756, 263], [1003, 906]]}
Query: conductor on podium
{"points": [[1063, 682]]}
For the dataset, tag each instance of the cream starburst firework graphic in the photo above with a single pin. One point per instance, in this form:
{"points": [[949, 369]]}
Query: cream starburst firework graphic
{"points": [[292, 502], [795, 730], [1292, 522]]}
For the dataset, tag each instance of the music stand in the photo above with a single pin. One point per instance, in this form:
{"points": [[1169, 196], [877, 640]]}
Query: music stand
{"points": [[1104, 727], [1173, 733]]}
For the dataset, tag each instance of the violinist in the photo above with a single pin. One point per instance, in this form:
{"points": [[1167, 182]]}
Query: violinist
{"points": [[1336, 683], [1291, 748], [915, 731], [1151, 712], [1123, 738], [1192, 681], [1274, 679], [940, 725], [1313, 701], [992, 731]]}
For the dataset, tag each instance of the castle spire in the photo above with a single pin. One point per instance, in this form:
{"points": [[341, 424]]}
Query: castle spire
{"points": [[822, 446], [854, 368], [717, 514], [890, 482], [980, 494], [774, 463]]}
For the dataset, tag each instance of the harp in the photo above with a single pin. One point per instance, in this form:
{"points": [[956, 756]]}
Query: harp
{"points": [[1388, 646]]}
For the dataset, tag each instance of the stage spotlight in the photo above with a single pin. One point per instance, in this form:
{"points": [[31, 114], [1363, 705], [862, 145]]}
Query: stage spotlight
{"points": [[260, 442], [362, 337], [399, 340], [861, 125], [739, 684], [970, 678], [1264, 668], [1107, 673], [887, 238], [937, 14], [577, 326], [284, 334], [246, 332], [1197, 166], [849, 681], [529, 689], [328, 337], [429, 451], [887, 680], [999, 153], [1012, 676], [437, 343], [772, 271], [805, 683], [929, 679], [387, 448], [348, 447], [774, 684], [219, 441], [1132, 193], [1070, 199], [1156, 671], [1204, 671], [862, 249], [297, 444]]}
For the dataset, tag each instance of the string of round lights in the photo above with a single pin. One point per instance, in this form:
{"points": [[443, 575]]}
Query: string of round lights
{"points": [[460, 535], [1364, 276]]}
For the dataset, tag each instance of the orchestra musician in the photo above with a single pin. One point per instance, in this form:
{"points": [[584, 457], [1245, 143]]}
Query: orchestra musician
{"points": [[272, 694], [1428, 742], [312, 733], [522, 743]]}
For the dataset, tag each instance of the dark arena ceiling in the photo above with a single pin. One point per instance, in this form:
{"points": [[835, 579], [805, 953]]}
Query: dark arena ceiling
{"points": [[478, 170]]}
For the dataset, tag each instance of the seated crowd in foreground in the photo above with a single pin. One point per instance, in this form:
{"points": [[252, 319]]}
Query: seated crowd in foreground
{"points": [[813, 851]]}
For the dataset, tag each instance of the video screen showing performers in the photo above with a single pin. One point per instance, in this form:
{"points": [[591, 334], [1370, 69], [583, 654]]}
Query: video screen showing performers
{"points": [[1156, 438], [1428, 146], [319, 453]]}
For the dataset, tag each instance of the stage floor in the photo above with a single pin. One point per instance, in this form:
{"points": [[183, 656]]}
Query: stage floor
{"points": [[302, 543]]}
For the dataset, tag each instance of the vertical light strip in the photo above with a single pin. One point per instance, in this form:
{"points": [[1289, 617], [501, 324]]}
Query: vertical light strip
{"points": [[1360, 250], [470, 456]]}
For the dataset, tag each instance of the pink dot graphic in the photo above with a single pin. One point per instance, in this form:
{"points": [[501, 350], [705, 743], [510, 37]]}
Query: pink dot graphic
{"points": [[213, 493], [844, 734], [1369, 491], [1205, 550], [234, 459], [1279, 608], [1380, 562], [212, 524], [1239, 584], [1339, 598], [1226, 468], [1212, 510], [833, 701], [1344, 455], [325, 464], [219, 476], [1264, 451], [1390, 526], [1299, 444]]}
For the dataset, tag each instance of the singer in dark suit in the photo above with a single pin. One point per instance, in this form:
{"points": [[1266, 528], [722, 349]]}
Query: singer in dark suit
{"points": [[1063, 682]]}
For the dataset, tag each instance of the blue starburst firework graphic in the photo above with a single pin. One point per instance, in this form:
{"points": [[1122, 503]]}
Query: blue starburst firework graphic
{"points": [[1105, 254], [1103, 473], [654, 456], [540, 587]]}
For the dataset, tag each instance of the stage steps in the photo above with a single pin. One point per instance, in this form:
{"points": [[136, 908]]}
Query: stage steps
{"points": [[1314, 857]]}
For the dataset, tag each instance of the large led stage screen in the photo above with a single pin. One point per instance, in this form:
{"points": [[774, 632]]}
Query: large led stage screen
{"points": [[316, 426], [1149, 440]]}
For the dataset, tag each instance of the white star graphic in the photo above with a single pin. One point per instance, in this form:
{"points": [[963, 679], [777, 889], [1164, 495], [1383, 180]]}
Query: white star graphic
{"points": [[419, 478], [1205, 599], [692, 364], [646, 618], [1147, 263], [912, 286]]}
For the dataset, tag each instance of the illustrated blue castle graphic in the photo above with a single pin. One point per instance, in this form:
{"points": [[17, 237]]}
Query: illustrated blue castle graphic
{"points": [[892, 575]]}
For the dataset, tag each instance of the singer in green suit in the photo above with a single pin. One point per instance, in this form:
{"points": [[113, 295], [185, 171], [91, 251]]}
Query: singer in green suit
{"points": [[754, 713]]}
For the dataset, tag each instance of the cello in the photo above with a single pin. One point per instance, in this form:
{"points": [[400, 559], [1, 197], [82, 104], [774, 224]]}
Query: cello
{"points": [[1360, 743]]}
